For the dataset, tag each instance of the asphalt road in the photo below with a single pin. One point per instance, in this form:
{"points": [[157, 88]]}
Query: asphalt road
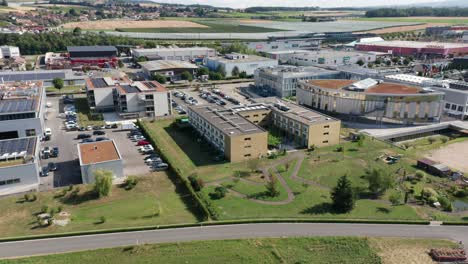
{"points": [[79, 243]]}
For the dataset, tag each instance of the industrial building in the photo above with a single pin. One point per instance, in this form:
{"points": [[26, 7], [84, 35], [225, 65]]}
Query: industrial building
{"points": [[331, 58], [7, 52], [241, 62], [416, 49], [100, 56], [68, 76], [19, 165], [285, 44], [171, 69], [129, 99], [102, 155], [282, 81], [234, 136], [372, 99], [174, 53], [22, 109]]}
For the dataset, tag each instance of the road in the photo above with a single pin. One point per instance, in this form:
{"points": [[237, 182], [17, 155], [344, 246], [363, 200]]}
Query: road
{"points": [[79, 243]]}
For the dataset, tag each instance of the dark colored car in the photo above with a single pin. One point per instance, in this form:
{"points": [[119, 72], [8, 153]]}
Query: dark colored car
{"points": [[96, 128], [83, 136], [52, 166], [55, 152], [114, 126], [101, 139], [44, 172], [99, 132], [87, 140]]}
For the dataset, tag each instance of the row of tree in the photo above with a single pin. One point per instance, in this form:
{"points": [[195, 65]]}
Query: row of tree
{"points": [[417, 11]]}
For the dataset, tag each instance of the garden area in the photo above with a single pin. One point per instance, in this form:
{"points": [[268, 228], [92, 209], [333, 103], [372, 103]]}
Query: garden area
{"points": [[142, 201], [85, 116], [383, 179]]}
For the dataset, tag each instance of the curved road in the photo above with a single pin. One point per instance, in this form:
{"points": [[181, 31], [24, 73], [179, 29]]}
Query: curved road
{"points": [[78, 243]]}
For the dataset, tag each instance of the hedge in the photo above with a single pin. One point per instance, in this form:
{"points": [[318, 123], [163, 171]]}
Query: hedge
{"points": [[457, 223]]}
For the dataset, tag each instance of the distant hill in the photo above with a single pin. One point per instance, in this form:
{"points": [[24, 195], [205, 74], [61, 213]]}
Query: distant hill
{"points": [[446, 3]]}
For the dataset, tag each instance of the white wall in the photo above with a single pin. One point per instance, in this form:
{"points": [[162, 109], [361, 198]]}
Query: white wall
{"points": [[87, 171], [21, 125], [104, 97], [133, 103]]}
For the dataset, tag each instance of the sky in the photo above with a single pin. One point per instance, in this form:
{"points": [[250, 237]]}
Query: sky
{"points": [[296, 3]]}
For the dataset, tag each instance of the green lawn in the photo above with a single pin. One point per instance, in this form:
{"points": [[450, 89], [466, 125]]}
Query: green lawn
{"points": [[261, 250], [450, 20], [66, 89], [123, 208], [216, 27], [85, 116]]}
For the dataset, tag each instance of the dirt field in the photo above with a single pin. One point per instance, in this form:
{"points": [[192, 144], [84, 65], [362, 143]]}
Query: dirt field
{"points": [[404, 28], [454, 155], [113, 24]]}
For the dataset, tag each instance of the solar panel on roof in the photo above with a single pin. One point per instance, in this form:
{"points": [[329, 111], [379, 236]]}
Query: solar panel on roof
{"points": [[99, 83], [31, 76], [17, 145]]}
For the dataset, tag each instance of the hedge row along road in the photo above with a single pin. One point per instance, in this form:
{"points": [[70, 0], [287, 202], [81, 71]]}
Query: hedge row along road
{"points": [[89, 242]]}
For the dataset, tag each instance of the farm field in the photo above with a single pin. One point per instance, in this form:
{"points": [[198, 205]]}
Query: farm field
{"points": [[454, 156], [114, 24], [405, 28], [123, 208], [305, 179], [445, 20]]}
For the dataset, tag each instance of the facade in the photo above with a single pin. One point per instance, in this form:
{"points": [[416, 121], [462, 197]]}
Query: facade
{"points": [[455, 100], [182, 54], [465, 37], [285, 44], [102, 155], [69, 77], [372, 99], [171, 69], [282, 81], [129, 99], [243, 63], [330, 58], [22, 110], [7, 52], [19, 165], [100, 56], [416, 49], [233, 135]]}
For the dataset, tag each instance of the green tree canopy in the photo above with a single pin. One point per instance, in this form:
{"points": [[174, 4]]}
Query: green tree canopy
{"points": [[58, 83], [379, 181], [159, 78], [102, 182], [342, 195]]}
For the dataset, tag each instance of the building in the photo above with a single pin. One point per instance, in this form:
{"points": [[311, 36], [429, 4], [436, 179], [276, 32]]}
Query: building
{"points": [[100, 56], [19, 165], [7, 52], [330, 58], [283, 56], [282, 81], [299, 125], [243, 63], [102, 155], [465, 37], [46, 76], [234, 136], [129, 99], [170, 53], [285, 44], [171, 69], [22, 109], [372, 99], [416, 49]]}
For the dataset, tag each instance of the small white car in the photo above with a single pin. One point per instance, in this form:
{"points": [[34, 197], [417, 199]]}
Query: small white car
{"points": [[48, 132], [48, 104]]}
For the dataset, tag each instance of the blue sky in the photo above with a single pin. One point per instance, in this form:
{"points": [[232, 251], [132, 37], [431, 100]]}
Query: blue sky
{"points": [[296, 3]]}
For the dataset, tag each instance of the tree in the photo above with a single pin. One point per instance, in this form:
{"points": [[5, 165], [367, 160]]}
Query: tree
{"points": [[77, 31], [102, 182], [73, 12], [272, 187], [388, 63], [221, 70], [159, 78], [197, 183], [243, 75], [235, 71], [219, 192], [342, 195], [431, 140], [203, 71], [58, 83], [360, 62], [396, 198], [186, 76], [141, 59], [379, 181]]}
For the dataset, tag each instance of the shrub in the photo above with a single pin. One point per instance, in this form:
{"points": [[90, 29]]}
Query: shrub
{"points": [[130, 182], [219, 192], [445, 203], [27, 197], [281, 168], [339, 149], [272, 187], [431, 140], [431, 200], [460, 193], [444, 139], [34, 198], [395, 198], [44, 209], [420, 175], [59, 209], [197, 183], [103, 182], [427, 193], [70, 187], [102, 219], [52, 212]]}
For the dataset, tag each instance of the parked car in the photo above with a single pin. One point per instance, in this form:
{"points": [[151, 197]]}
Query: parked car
{"points": [[99, 132], [87, 140], [83, 136], [138, 137], [101, 139], [160, 167], [114, 126], [153, 161], [108, 126], [44, 171], [55, 152], [142, 143], [52, 166], [96, 128], [71, 126], [152, 156]]}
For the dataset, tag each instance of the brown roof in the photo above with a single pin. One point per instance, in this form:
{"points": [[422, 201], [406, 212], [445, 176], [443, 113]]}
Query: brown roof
{"points": [[97, 152], [393, 88], [331, 84]]}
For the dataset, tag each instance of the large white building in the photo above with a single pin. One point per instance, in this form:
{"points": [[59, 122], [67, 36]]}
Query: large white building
{"points": [[9, 52], [19, 165], [102, 155], [22, 109], [243, 63], [330, 58], [283, 80], [174, 53], [284, 44]]}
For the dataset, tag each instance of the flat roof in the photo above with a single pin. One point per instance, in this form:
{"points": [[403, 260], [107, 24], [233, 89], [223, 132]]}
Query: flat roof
{"points": [[91, 48], [250, 58], [17, 147], [31, 76], [417, 44], [227, 121], [297, 72], [393, 88], [105, 82], [20, 97], [159, 65], [141, 87], [97, 152], [174, 49], [331, 84]]}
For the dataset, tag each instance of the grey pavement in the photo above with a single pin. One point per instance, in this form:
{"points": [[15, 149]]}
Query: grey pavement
{"points": [[80, 243]]}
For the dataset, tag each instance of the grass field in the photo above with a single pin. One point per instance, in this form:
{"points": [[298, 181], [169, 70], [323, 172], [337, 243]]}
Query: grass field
{"points": [[85, 117], [66, 89], [344, 250], [211, 28], [444, 20], [123, 208]]}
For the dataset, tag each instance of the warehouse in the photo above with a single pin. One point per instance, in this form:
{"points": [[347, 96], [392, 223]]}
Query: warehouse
{"points": [[101, 56], [174, 53], [331, 58], [372, 99], [102, 155], [235, 63], [416, 49], [171, 69]]}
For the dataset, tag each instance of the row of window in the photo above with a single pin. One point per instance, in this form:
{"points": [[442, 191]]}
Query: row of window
{"points": [[17, 116], [454, 107], [11, 181]]}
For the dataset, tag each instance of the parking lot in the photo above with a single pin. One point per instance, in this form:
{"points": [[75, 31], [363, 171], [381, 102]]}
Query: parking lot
{"points": [[68, 168]]}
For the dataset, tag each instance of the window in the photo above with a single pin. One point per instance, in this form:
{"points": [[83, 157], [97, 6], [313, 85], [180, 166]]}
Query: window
{"points": [[454, 107], [447, 106], [30, 132], [255, 115], [460, 108], [327, 126], [326, 141], [246, 139], [247, 155], [248, 146], [326, 133], [12, 181]]}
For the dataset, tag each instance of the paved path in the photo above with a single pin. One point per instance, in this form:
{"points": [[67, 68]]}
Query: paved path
{"points": [[79, 243]]}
